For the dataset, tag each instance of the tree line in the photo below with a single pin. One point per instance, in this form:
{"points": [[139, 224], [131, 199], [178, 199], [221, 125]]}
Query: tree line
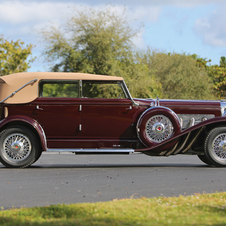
{"points": [[100, 42]]}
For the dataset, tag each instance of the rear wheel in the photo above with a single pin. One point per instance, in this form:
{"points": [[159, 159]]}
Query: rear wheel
{"points": [[18, 147], [204, 159], [215, 147]]}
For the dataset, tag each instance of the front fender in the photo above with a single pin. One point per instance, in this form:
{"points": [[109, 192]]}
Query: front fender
{"points": [[214, 122], [26, 121]]}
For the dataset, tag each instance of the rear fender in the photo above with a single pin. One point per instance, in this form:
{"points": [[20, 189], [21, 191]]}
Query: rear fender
{"points": [[28, 122]]}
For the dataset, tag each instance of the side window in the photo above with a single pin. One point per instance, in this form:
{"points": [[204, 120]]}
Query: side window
{"points": [[54, 88], [102, 89]]}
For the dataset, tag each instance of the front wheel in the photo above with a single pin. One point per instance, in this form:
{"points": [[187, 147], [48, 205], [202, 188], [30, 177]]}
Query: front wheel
{"points": [[18, 147], [215, 146]]}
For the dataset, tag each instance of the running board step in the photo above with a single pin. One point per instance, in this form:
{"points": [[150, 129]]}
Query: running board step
{"points": [[92, 151]]}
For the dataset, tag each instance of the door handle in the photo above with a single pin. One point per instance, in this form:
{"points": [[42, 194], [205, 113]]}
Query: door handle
{"points": [[38, 108], [130, 108]]}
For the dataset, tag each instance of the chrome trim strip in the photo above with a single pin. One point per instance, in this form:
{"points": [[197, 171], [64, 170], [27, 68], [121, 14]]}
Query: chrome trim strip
{"points": [[223, 108], [180, 149], [194, 139], [80, 127], [44, 135], [128, 93], [182, 145], [90, 150], [172, 150], [80, 92], [192, 122], [12, 94]]}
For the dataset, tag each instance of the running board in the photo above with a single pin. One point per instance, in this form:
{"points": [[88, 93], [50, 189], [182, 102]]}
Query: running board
{"points": [[80, 151]]}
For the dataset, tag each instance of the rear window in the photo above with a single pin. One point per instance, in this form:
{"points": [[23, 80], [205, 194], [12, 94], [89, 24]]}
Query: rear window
{"points": [[53, 88]]}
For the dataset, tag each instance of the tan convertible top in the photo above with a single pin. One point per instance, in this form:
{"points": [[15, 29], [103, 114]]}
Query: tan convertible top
{"points": [[13, 82]]}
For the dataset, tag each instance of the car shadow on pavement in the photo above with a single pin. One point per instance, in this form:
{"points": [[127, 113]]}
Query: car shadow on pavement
{"points": [[163, 165]]}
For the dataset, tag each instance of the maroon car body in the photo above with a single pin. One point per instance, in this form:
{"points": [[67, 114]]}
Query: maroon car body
{"points": [[94, 114]]}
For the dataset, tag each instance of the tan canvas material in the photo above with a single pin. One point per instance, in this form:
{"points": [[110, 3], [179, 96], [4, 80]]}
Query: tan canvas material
{"points": [[11, 83]]}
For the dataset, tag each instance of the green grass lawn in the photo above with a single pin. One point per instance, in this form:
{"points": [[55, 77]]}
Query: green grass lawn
{"points": [[207, 209]]}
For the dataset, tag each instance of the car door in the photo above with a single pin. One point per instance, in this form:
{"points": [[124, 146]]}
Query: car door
{"points": [[57, 111], [106, 115], [60, 118]]}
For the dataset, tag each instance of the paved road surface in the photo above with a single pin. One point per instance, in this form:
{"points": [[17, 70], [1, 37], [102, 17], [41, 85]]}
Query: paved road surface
{"points": [[69, 178]]}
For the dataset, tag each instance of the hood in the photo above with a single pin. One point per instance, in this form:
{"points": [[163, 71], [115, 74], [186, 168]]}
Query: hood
{"points": [[185, 106]]}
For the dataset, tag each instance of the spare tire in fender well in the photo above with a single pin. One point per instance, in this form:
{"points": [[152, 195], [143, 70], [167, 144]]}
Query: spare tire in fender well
{"points": [[156, 125]]}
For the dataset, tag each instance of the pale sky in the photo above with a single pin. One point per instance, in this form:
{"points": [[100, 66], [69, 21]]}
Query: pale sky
{"points": [[182, 26]]}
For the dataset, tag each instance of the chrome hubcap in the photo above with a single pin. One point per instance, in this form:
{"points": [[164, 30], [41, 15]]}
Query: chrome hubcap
{"points": [[16, 147], [159, 128], [219, 147]]}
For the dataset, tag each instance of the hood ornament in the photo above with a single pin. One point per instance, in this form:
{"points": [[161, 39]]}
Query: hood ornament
{"points": [[157, 103]]}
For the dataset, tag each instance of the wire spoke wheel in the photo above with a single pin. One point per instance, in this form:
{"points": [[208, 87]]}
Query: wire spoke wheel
{"points": [[159, 128], [16, 147], [215, 146], [219, 147], [19, 147]]}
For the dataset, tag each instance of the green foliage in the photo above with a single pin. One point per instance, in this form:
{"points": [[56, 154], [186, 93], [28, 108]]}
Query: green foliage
{"points": [[201, 62], [13, 56], [139, 79], [223, 61], [99, 42], [91, 41], [216, 73], [180, 76], [60, 90], [99, 89]]}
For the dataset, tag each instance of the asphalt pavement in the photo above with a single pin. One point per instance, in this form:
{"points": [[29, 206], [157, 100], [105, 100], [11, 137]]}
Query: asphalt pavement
{"points": [[68, 178]]}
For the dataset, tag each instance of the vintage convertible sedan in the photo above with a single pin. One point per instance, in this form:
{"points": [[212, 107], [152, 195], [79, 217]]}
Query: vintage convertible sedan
{"points": [[95, 114]]}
